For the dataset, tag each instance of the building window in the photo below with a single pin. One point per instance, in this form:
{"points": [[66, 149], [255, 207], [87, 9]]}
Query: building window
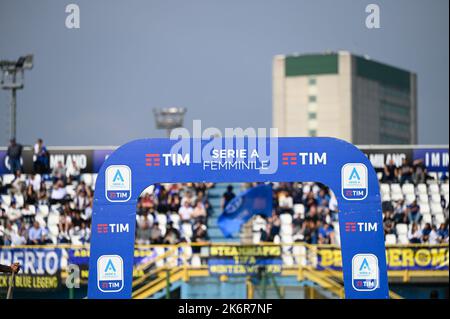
{"points": [[312, 115], [312, 133], [312, 98], [312, 81]]}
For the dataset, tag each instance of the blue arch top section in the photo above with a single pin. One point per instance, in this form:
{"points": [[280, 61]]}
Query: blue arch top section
{"points": [[140, 163]]}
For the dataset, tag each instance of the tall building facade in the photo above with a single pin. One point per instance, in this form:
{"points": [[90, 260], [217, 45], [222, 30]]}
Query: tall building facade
{"points": [[345, 96]]}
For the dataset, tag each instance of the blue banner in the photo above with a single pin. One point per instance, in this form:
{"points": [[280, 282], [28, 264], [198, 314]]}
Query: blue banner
{"points": [[254, 201]]}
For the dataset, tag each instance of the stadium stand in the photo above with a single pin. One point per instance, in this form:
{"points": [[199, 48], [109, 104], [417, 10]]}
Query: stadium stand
{"points": [[57, 208]]}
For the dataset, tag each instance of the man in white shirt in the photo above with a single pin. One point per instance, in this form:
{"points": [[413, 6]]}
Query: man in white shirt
{"points": [[186, 211]]}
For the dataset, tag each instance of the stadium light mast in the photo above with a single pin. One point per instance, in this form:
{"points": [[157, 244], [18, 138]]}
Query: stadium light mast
{"points": [[12, 78], [169, 118]]}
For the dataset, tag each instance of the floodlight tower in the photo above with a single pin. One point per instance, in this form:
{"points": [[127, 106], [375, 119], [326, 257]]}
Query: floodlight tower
{"points": [[169, 118], [12, 78]]}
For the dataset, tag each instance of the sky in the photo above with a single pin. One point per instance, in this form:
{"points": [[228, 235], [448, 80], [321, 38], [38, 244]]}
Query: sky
{"points": [[97, 85]]}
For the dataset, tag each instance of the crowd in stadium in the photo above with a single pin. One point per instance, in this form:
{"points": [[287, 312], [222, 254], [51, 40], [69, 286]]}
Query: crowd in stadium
{"points": [[308, 212], [55, 206]]}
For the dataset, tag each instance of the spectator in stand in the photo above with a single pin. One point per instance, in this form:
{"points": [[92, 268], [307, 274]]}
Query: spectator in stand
{"points": [[14, 213], [227, 196], [200, 234], [186, 212], [266, 234], [155, 234], [414, 234], [143, 229], [172, 235], [426, 232], [419, 171], [81, 201], [73, 172], [41, 158], [414, 215], [405, 172], [59, 172], [14, 154], [326, 234], [59, 193], [36, 234], [199, 213], [390, 173], [443, 233], [399, 212], [31, 198]]}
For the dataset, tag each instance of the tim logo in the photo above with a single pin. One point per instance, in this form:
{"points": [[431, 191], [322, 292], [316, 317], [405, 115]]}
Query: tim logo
{"points": [[303, 158], [113, 228], [169, 159], [365, 272], [110, 273], [354, 181], [118, 183], [353, 227]]}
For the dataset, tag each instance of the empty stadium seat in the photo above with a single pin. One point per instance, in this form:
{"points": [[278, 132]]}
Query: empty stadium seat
{"points": [[43, 210], [433, 189], [162, 219], [395, 188], [386, 197], [186, 229], [439, 219], [423, 198], [409, 199], [288, 260], [436, 198], [425, 208], [426, 218], [286, 219], [444, 189], [385, 189], [8, 179], [391, 239], [422, 189], [403, 239], [436, 208], [402, 229], [408, 189], [6, 199], [286, 229], [256, 238]]}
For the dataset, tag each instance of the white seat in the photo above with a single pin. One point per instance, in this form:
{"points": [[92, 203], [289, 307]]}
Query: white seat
{"points": [[433, 189], [8, 178], [87, 179], [299, 253], [286, 219], [395, 188], [385, 197], [391, 239], [403, 239], [436, 208], [436, 198], [439, 219], [444, 189], [299, 209], [425, 208], [422, 189], [286, 239], [408, 189], [196, 261], [256, 238], [384, 188], [286, 230], [186, 229], [175, 219], [259, 225], [53, 219], [402, 229], [396, 196], [426, 218], [423, 198], [6, 199], [162, 219], [409, 198], [19, 200]]}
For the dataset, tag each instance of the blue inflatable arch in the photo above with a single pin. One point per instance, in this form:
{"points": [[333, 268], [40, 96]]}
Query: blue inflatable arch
{"points": [[335, 163]]}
